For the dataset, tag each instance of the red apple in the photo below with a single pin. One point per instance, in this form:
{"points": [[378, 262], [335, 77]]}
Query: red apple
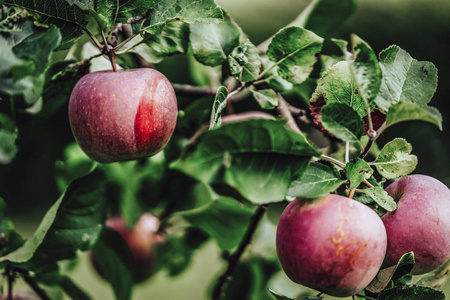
{"points": [[334, 244], [124, 115], [141, 240], [421, 222]]}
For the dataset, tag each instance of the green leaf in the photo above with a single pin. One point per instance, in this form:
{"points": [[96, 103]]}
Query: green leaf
{"points": [[223, 219], [75, 163], [271, 76], [110, 12], [408, 111], [188, 11], [173, 39], [212, 43], [267, 99], [327, 62], [176, 253], [411, 293], [282, 297], [83, 4], [69, 18], [8, 137], [244, 62], [405, 79], [27, 61], [60, 79], [437, 278], [258, 158], [279, 296], [294, 52], [73, 290], [342, 121], [337, 85], [38, 48], [318, 180], [73, 223], [9, 61], [343, 46], [395, 159], [53, 277], [379, 196], [220, 102], [356, 171], [114, 261], [250, 279], [366, 70], [384, 276], [10, 240], [324, 16]]}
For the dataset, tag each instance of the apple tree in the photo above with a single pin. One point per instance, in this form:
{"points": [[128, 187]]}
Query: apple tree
{"points": [[271, 151]]}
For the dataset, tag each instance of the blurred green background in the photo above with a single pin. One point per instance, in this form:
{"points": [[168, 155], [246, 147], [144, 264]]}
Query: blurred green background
{"points": [[421, 27]]}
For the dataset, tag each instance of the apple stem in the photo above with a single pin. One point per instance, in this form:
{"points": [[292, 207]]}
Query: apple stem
{"points": [[112, 58], [352, 193], [233, 259]]}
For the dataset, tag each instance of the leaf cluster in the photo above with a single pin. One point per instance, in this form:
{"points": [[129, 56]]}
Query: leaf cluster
{"points": [[214, 174]]}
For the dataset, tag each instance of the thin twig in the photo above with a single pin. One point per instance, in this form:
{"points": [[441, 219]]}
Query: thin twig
{"points": [[93, 38], [141, 62], [193, 91], [366, 149], [10, 275], [347, 152], [333, 160], [234, 258], [127, 40], [36, 288], [283, 109], [372, 138]]}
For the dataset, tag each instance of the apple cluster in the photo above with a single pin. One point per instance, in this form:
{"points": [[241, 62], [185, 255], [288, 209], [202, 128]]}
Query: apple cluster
{"points": [[337, 245]]}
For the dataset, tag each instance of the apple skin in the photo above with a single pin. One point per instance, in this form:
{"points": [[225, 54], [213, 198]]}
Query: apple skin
{"points": [[334, 244], [124, 115], [421, 222], [141, 240]]}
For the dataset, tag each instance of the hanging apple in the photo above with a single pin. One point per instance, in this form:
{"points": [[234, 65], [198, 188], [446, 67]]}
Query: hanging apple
{"points": [[124, 115]]}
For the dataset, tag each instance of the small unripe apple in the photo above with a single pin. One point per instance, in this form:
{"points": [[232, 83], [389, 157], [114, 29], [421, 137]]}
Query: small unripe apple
{"points": [[141, 240], [124, 115], [334, 244], [421, 222]]}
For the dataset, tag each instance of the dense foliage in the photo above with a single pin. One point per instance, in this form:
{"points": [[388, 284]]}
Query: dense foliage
{"points": [[218, 176]]}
